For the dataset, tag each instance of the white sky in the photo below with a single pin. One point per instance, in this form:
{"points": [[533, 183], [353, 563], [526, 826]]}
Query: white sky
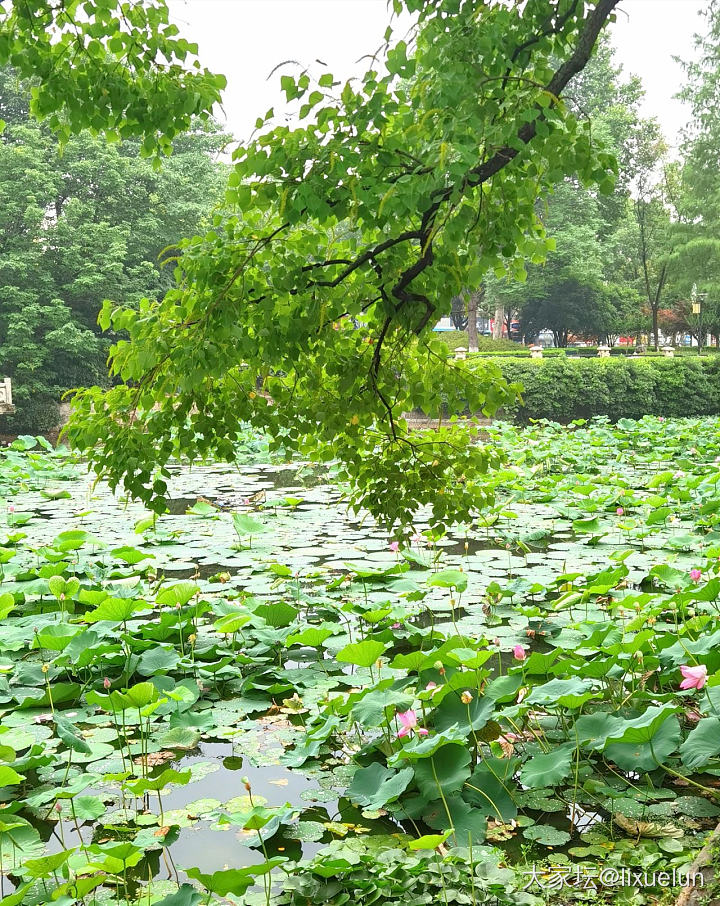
{"points": [[245, 39]]}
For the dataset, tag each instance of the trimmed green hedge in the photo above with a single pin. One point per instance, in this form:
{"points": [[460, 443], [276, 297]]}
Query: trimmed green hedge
{"points": [[486, 345], [591, 352], [563, 389]]}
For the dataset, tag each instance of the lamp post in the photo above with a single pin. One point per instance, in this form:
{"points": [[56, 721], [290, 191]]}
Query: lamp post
{"points": [[697, 300], [698, 303]]}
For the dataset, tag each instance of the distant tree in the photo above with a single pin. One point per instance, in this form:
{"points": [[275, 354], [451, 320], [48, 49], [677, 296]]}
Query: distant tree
{"points": [[695, 187], [569, 307], [75, 229], [651, 238], [458, 312], [583, 224]]}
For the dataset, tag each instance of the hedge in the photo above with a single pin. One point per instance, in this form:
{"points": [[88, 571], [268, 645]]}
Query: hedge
{"points": [[591, 352], [563, 389], [486, 345], [37, 415]]}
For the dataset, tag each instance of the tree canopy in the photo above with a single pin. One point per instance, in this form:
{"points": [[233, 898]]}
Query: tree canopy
{"points": [[76, 228], [306, 310], [113, 66]]}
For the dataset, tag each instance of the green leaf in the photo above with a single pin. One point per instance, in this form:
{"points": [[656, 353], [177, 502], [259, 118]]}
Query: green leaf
{"points": [[180, 738], [428, 841], [9, 777], [445, 771], [546, 834], [362, 654], [88, 808], [114, 610], [246, 525], [138, 696], [157, 660], [549, 769], [69, 735], [186, 895], [702, 744], [176, 594], [311, 636], [130, 555], [651, 746], [450, 578], [169, 775], [234, 880], [278, 614], [376, 786], [7, 603], [47, 865]]}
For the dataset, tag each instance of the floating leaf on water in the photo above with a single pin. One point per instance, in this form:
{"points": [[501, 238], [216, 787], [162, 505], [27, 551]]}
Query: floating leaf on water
{"points": [[546, 834]]}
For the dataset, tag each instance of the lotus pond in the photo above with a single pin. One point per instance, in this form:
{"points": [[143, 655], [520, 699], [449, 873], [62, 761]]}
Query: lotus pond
{"points": [[259, 698]]}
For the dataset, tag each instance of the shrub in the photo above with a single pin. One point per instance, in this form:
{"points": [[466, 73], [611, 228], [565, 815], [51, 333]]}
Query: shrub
{"points": [[36, 416], [591, 352], [487, 345], [563, 389]]}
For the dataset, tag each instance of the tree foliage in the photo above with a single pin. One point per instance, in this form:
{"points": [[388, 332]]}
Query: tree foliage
{"points": [[575, 292], [78, 228], [344, 241], [694, 258], [112, 66]]}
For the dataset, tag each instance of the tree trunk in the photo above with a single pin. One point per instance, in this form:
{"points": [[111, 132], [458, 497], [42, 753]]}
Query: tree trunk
{"points": [[656, 335], [472, 321], [508, 322], [499, 321]]}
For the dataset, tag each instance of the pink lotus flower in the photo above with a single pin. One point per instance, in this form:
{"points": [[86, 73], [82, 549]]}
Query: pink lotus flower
{"points": [[695, 575], [519, 653], [417, 538], [106, 683], [408, 719], [620, 511], [661, 418], [11, 508], [396, 626], [695, 677], [430, 686], [394, 546]]}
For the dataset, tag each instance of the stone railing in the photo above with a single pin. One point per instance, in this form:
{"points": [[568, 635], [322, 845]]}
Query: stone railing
{"points": [[6, 403]]}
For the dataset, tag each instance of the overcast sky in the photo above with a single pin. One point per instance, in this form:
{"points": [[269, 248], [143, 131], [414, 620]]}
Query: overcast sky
{"points": [[245, 39]]}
